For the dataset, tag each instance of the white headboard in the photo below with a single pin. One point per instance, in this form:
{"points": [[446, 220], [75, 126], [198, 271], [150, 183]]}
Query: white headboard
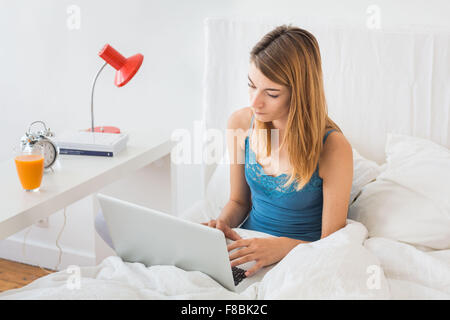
{"points": [[375, 81]]}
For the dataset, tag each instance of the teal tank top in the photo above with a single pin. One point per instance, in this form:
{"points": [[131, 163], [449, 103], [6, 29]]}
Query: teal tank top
{"points": [[282, 211]]}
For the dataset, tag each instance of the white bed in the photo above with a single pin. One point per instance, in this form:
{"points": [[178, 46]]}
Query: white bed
{"points": [[389, 91]]}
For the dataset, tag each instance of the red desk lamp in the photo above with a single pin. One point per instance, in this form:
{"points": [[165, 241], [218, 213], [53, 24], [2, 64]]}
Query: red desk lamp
{"points": [[126, 69]]}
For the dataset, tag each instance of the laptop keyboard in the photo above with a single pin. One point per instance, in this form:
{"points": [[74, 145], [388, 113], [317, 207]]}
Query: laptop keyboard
{"points": [[238, 275]]}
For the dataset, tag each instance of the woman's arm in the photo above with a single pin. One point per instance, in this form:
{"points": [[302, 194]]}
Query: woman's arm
{"points": [[337, 171], [239, 203], [233, 213]]}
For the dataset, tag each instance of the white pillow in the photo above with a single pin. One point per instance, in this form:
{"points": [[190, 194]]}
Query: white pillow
{"points": [[364, 172], [409, 201], [218, 188]]}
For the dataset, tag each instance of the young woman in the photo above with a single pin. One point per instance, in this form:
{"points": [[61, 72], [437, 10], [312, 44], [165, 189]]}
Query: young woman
{"points": [[291, 175]]}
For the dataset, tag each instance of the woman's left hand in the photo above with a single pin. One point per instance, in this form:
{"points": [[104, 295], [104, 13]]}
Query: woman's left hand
{"points": [[265, 251]]}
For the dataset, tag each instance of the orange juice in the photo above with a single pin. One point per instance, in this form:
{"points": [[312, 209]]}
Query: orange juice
{"points": [[30, 168]]}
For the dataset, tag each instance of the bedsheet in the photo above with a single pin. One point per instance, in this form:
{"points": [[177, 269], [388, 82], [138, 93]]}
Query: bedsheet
{"points": [[344, 265], [335, 267]]}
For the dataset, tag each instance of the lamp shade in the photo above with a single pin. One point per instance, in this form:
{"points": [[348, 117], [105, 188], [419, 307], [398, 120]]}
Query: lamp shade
{"points": [[126, 67]]}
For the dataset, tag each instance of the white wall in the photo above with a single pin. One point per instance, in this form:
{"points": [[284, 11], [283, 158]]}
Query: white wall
{"points": [[47, 70]]}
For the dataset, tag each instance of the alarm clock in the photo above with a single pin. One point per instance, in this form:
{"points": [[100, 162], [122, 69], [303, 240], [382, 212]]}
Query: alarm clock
{"points": [[43, 138]]}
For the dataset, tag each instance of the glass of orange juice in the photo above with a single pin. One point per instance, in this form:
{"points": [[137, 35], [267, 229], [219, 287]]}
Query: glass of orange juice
{"points": [[30, 166]]}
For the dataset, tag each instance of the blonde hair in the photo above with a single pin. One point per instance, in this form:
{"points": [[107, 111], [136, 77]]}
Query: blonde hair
{"points": [[290, 56]]}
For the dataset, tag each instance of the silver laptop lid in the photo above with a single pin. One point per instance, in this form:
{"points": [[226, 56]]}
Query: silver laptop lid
{"points": [[151, 237]]}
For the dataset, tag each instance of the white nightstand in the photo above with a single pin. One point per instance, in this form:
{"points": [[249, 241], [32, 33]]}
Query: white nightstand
{"points": [[74, 178]]}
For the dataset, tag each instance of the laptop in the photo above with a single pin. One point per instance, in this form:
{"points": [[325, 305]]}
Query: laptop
{"points": [[152, 237]]}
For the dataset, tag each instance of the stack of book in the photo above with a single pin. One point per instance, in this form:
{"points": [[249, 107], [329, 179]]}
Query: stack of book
{"points": [[91, 143]]}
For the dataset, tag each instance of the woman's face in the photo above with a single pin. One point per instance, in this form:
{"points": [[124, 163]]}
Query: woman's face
{"points": [[269, 101]]}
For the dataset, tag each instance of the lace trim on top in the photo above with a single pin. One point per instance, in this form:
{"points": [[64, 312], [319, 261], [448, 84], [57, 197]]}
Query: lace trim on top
{"points": [[273, 186]]}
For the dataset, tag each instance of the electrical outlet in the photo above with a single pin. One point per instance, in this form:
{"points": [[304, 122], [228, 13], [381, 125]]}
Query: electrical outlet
{"points": [[42, 223]]}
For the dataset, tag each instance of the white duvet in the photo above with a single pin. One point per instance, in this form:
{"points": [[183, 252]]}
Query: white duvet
{"points": [[345, 265]]}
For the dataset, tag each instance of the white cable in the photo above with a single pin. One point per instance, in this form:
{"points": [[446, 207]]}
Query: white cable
{"points": [[57, 239], [24, 239], [57, 244]]}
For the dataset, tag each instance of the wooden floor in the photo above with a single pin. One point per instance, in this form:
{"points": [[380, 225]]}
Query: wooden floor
{"points": [[16, 275]]}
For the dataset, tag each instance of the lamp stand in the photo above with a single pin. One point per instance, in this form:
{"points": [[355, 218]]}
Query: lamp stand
{"points": [[99, 129]]}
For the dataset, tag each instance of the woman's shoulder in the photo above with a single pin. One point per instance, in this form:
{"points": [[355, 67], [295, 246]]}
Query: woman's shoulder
{"points": [[240, 119], [335, 149], [239, 123], [332, 133]]}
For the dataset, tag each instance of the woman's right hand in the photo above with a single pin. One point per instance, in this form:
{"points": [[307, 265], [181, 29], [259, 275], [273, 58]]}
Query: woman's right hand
{"points": [[224, 227]]}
